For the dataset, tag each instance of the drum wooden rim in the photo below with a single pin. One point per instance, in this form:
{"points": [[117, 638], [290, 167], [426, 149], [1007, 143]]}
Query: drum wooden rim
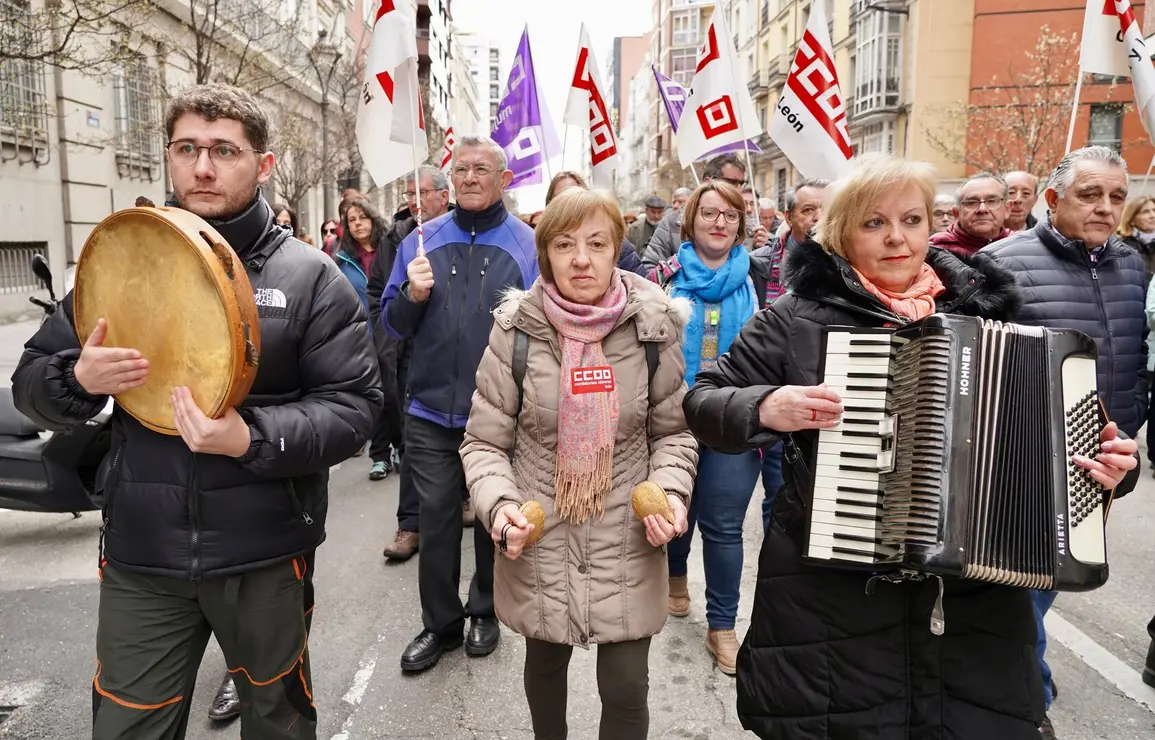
{"points": [[229, 292]]}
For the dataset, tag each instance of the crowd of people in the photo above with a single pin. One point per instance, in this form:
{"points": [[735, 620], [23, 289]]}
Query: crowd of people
{"points": [[457, 354]]}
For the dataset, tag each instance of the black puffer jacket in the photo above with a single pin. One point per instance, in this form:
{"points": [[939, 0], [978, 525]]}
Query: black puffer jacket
{"points": [[1062, 289], [314, 403], [829, 656]]}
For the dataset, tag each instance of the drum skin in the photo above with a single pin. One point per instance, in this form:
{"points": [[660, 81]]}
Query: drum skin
{"points": [[170, 287]]}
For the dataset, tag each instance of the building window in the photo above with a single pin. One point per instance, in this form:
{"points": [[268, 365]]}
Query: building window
{"points": [[682, 63], [23, 106], [878, 55], [493, 74], [686, 28], [136, 88], [1106, 126], [494, 92], [16, 274], [878, 138], [780, 188]]}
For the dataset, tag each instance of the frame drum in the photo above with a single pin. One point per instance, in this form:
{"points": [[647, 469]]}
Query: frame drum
{"points": [[170, 287]]}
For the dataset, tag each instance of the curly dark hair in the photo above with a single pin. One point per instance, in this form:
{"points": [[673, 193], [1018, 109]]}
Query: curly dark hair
{"points": [[351, 246], [217, 100]]}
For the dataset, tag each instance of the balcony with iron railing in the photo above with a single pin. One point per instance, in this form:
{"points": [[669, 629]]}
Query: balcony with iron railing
{"points": [[778, 69], [758, 84]]}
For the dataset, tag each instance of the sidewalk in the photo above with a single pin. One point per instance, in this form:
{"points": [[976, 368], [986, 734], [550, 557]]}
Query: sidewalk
{"points": [[12, 339]]}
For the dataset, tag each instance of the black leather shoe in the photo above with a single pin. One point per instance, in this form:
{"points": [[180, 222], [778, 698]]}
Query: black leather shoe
{"points": [[426, 650], [227, 703], [484, 634]]}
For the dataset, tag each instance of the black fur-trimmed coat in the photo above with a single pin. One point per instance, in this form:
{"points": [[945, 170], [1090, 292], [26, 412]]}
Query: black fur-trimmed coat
{"points": [[826, 657]]}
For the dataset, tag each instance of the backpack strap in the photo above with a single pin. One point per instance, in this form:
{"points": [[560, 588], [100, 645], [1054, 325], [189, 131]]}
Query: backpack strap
{"points": [[519, 363]]}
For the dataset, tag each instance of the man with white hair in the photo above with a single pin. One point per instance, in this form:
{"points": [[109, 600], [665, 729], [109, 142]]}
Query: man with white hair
{"points": [[1074, 273], [680, 197], [442, 299], [943, 217], [1022, 194], [768, 216]]}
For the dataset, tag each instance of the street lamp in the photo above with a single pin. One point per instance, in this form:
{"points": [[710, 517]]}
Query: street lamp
{"points": [[324, 57]]}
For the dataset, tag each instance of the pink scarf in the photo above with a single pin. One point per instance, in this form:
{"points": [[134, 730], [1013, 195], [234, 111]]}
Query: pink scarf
{"points": [[587, 423], [918, 300]]}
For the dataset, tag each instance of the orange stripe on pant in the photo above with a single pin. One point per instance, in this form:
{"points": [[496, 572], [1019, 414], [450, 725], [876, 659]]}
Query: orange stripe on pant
{"points": [[279, 676], [128, 704]]}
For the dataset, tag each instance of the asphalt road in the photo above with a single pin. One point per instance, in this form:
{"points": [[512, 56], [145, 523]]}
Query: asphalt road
{"points": [[367, 611]]}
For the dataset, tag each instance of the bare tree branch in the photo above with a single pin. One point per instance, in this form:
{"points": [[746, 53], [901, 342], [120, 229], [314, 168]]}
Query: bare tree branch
{"points": [[1019, 120], [72, 34]]}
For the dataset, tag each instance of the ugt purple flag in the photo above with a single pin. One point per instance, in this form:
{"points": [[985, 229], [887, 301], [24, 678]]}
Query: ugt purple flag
{"points": [[674, 97], [523, 127]]}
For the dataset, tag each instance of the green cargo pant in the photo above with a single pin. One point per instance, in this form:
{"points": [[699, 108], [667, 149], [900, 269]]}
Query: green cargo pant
{"points": [[152, 634]]}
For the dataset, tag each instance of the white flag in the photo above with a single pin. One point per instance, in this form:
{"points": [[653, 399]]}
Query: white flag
{"points": [[1113, 45], [586, 107], [447, 150], [390, 121], [809, 123], [719, 110]]}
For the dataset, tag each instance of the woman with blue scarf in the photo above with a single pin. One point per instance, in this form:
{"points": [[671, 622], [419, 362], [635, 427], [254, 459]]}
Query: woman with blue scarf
{"points": [[726, 286]]}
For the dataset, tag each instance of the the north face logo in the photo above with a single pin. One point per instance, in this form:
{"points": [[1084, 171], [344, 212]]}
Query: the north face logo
{"points": [[270, 297]]}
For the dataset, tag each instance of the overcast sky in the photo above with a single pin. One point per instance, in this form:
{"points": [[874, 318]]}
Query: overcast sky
{"points": [[553, 36]]}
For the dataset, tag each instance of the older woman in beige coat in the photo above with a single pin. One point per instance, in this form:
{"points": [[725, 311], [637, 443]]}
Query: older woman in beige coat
{"points": [[577, 442]]}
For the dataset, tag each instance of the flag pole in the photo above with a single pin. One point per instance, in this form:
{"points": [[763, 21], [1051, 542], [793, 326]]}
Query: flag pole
{"points": [[1075, 109], [1147, 178], [738, 110], [412, 80]]}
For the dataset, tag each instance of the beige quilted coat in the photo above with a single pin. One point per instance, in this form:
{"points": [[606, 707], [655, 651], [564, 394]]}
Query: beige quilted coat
{"points": [[601, 581]]}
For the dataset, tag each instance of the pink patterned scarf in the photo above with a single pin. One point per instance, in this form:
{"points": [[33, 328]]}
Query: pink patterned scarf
{"points": [[918, 300], [587, 423]]}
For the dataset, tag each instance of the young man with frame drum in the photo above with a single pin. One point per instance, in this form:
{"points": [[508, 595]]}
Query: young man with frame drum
{"points": [[212, 532]]}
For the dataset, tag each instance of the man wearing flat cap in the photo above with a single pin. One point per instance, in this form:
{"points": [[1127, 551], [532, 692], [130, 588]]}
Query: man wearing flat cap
{"points": [[642, 229]]}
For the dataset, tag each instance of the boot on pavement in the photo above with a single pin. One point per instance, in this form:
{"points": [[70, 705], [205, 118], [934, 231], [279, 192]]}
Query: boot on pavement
{"points": [[723, 645], [404, 546], [227, 703], [1149, 668], [679, 602], [1046, 730]]}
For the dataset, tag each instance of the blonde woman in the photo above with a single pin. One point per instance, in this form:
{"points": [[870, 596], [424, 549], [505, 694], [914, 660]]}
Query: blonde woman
{"points": [[598, 574], [842, 655], [1137, 229]]}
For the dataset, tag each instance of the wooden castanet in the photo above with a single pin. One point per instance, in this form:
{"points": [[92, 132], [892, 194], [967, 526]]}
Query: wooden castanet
{"points": [[532, 511], [171, 287], [649, 499]]}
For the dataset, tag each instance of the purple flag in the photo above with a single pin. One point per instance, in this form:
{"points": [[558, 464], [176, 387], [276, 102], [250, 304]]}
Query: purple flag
{"points": [[674, 97], [523, 127]]}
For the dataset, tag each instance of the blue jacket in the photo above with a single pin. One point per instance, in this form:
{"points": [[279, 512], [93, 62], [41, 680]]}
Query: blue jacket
{"points": [[351, 269], [475, 257], [1105, 301]]}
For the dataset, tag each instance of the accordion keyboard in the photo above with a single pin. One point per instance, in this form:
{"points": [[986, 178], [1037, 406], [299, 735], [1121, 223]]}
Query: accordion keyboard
{"points": [[1084, 495]]}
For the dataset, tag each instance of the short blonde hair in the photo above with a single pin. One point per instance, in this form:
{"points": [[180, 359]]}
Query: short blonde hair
{"points": [[567, 212], [855, 197], [729, 193], [1130, 211]]}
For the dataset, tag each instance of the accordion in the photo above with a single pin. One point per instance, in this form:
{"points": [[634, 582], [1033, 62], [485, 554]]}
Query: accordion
{"points": [[953, 454]]}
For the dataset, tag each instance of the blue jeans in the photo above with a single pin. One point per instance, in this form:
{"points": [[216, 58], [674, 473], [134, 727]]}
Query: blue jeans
{"points": [[1043, 601], [771, 481], [721, 496]]}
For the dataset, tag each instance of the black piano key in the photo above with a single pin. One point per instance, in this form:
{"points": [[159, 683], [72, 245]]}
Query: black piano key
{"points": [[860, 517]]}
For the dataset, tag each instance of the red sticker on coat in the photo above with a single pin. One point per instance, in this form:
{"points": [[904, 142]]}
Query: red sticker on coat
{"points": [[592, 380]]}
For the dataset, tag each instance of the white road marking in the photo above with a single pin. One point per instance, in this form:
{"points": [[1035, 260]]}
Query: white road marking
{"points": [[360, 685], [1124, 678]]}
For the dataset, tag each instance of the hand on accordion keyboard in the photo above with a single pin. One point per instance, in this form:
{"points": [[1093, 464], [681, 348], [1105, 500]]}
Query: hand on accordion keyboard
{"points": [[1116, 457], [793, 408], [106, 371], [228, 435]]}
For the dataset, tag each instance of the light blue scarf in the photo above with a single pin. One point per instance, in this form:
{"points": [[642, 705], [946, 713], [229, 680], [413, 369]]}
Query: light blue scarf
{"points": [[728, 285]]}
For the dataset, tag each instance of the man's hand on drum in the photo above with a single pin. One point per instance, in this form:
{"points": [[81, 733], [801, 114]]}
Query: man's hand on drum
{"points": [[106, 371], [228, 435], [1116, 457], [793, 408], [420, 274]]}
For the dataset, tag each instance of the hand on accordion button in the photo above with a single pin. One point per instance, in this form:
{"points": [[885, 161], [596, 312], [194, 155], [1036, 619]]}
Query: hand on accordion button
{"points": [[793, 408], [1116, 457]]}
